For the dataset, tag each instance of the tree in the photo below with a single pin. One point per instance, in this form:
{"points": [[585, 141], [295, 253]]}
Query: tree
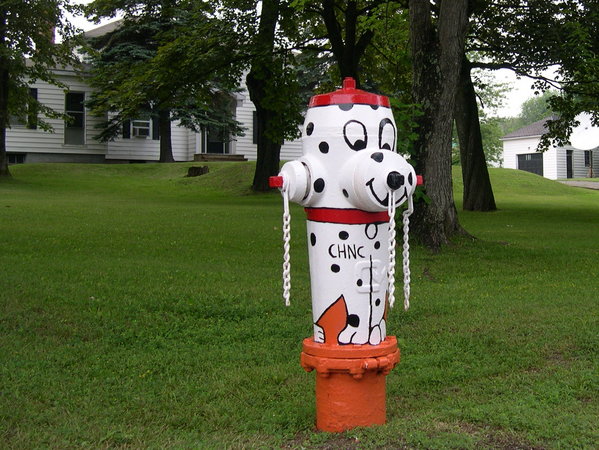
{"points": [[437, 48], [577, 72], [273, 86], [529, 37], [348, 31], [478, 193], [167, 60], [28, 53]]}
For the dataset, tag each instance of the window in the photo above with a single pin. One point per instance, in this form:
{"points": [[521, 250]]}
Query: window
{"points": [[16, 158], [588, 155], [31, 113], [74, 128], [32, 109], [141, 128]]}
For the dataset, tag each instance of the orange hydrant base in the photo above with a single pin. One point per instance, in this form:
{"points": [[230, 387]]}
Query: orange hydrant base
{"points": [[350, 382]]}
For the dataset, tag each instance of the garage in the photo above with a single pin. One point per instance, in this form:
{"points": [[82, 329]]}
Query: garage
{"points": [[531, 162]]}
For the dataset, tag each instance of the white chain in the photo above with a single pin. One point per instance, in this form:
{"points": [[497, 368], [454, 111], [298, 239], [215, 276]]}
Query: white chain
{"points": [[286, 241], [391, 271], [406, 253]]}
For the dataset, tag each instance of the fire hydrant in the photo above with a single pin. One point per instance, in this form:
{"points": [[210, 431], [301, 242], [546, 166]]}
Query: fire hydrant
{"points": [[350, 181]]}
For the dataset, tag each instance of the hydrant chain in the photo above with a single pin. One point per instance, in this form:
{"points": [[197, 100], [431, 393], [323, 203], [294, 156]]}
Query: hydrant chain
{"points": [[286, 241], [391, 271], [406, 253]]}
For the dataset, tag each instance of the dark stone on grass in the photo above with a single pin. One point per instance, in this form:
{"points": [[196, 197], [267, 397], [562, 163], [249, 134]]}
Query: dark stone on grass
{"points": [[196, 171]]}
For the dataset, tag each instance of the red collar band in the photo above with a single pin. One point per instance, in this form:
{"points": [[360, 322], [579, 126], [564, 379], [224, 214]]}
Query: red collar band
{"points": [[345, 216]]}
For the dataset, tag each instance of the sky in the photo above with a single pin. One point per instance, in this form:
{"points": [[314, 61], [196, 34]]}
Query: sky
{"points": [[520, 92]]}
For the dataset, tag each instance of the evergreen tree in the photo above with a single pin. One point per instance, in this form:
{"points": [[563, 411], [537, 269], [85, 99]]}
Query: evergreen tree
{"points": [[166, 60]]}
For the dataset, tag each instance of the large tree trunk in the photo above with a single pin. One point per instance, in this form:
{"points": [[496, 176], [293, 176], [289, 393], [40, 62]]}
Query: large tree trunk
{"points": [[4, 83], [166, 148], [436, 56], [259, 80], [268, 159], [478, 193]]}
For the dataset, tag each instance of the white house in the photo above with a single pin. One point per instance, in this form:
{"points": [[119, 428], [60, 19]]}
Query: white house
{"points": [[520, 152], [139, 141]]}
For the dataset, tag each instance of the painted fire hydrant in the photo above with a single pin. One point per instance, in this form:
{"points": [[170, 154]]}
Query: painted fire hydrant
{"points": [[350, 181]]}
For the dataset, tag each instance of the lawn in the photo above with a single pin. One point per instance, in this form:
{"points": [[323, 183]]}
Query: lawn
{"points": [[140, 308]]}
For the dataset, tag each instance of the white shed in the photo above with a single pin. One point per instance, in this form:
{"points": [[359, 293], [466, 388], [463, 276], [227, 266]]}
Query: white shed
{"points": [[520, 152]]}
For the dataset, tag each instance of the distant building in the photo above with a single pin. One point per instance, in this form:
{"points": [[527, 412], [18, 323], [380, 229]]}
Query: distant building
{"points": [[139, 140], [520, 152]]}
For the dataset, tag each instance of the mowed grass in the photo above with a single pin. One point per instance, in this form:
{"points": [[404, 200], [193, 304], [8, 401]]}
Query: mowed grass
{"points": [[140, 308]]}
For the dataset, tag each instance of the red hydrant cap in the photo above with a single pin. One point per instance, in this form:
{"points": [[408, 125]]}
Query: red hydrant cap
{"points": [[349, 95], [419, 180], [275, 182]]}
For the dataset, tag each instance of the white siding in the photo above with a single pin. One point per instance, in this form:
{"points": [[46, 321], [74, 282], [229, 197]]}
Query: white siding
{"points": [[552, 163], [244, 145], [20, 139], [514, 147], [578, 168], [596, 163], [554, 160], [148, 149]]}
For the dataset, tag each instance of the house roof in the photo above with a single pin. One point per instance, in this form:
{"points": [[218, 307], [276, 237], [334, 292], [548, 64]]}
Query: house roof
{"points": [[103, 29], [534, 129]]}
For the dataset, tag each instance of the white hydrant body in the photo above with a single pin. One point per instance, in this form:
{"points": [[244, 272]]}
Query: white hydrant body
{"points": [[345, 179]]}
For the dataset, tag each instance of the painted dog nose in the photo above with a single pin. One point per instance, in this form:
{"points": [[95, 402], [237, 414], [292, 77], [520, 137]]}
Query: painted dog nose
{"points": [[395, 180]]}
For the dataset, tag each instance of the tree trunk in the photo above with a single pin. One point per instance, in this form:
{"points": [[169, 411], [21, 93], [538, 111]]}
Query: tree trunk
{"points": [[268, 160], [478, 193], [4, 86], [259, 80], [166, 148], [436, 56]]}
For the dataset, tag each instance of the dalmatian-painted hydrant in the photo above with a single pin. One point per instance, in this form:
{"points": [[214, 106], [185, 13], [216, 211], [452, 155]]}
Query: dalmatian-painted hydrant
{"points": [[350, 181]]}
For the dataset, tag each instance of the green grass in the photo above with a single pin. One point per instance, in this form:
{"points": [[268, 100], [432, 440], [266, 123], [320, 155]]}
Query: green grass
{"points": [[139, 308]]}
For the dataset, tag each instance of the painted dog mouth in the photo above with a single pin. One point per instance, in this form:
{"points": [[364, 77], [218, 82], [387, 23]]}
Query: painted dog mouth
{"points": [[384, 201]]}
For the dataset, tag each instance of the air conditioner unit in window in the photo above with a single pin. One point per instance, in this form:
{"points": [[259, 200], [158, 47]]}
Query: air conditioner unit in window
{"points": [[140, 128]]}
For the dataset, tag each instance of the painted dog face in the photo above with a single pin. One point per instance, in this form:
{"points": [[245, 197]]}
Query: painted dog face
{"points": [[349, 150]]}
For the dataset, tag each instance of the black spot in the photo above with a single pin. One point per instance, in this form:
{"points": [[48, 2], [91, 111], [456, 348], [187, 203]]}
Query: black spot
{"points": [[346, 106], [377, 245], [309, 128], [343, 235], [312, 239], [378, 156], [371, 230], [353, 320], [324, 147], [410, 179], [375, 107], [335, 268], [377, 302], [319, 185], [359, 282], [345, 194]]}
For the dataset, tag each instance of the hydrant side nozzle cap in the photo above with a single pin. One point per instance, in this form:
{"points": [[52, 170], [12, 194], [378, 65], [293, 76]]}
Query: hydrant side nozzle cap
{"points": [[349, 95], [275, 182], [419, 180]]}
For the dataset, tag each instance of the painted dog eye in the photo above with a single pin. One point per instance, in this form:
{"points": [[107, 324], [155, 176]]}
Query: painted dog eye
{"points": [[355, 135], [386, 135]]}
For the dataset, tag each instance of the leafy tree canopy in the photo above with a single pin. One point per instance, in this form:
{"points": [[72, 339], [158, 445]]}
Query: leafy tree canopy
{"points": [[28, 53], [166, 55]]}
